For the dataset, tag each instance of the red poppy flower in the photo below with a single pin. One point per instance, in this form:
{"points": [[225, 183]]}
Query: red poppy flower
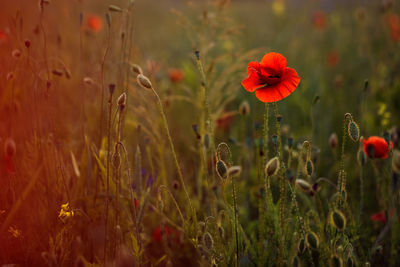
{"points": [[270, 78], [159, 232], [319, 20], [175, 75], [3, 37], [376, 147], [94, 23], [378, 217], [394, 26], [332, 59]]}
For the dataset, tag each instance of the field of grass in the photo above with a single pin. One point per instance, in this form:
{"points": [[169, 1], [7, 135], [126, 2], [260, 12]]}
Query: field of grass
{"points": [[144, 133]]}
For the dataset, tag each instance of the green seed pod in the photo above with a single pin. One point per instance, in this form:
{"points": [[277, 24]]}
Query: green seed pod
{"points": [[338, 220], [309, 167], [301, 246], [296, 262], [222, 170], [144, 82], [361, 157], [272, 166], [312, 240], [234, 171], [354, 131], [303, 185], [208, 241]]}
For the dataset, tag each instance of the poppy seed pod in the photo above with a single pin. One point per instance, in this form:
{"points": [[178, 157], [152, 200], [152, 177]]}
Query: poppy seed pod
{"points": [[301, 246], [222, 170], [312, 240], [279, 118], [9, 148], [234, 171], [122, 101], [338, 220], [244, 108], [137, 69], [144, 82], [354, 131], [272, 166]]}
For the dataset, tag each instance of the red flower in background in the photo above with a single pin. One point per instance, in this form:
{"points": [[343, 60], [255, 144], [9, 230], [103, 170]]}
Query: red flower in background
{"points": [[225, 121], [376, 147], [94, 23], [3, 37], [270, 78], [332, 59], [378, 217], [175, 75], [319, 20], [394, 26], [9, 152], [159, 232]]}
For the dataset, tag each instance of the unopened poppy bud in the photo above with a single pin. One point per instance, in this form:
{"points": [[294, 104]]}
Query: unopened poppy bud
{"points": [[361, 157], [312, 240], [57, 72], [354, 131], [16, 53], [386, 136], [244, 108], [396, 161], [338, 220], [366, 82], [114, 8], [290, 142], [333, 140], [144, 82], [88, 81], [309, 167], [27, 43], [303, 185], [279, 118], [301, 246], [208, 241], [221, 232], [274, 139], [122, 101], [111, 88], [137, 69], [289, 174], [9, 147], [234, 171], [222, 170], [175, 184], [197, 54], [195, 128], [272, 166]]}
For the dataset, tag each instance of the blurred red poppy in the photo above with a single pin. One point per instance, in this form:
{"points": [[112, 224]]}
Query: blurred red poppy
{"points": [[319, 20], [376, 147], [94, 23], [3, 37], [394, 26], [159, 231], [175, 75], [270, 78], [332, 59], [378, 217], [225, 120], [136, 203], [9, 164]]}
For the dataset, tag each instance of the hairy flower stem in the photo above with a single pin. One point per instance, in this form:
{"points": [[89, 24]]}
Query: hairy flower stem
{"points": [[235, 220], [107, 177], [164, 119], [282, 185], [361, 192], [103, 62]]}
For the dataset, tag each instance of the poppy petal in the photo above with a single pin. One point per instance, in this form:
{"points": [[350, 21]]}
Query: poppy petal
{"points": [[252, 82], [273, 63], [269, 94], [253, 66]]}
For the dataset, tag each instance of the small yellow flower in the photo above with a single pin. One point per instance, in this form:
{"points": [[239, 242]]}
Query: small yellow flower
{"points": [[14, 231], [65, 213]]}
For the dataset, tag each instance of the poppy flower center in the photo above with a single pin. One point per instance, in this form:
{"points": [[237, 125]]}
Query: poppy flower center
{"points": [[271, 79]]}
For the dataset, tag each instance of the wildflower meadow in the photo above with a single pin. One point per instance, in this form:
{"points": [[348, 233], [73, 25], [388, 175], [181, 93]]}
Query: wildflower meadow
{"points": [[199, 133]]}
